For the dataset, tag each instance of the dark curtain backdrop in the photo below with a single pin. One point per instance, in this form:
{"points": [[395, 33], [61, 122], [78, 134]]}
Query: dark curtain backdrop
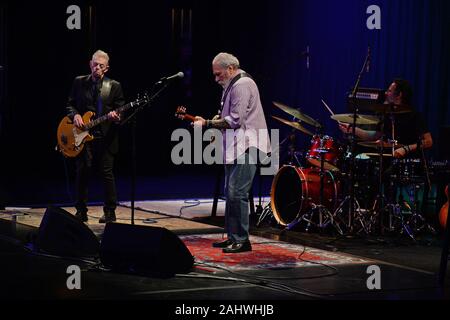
{"points": [[148, 40], [270, 36], [412, 44]]}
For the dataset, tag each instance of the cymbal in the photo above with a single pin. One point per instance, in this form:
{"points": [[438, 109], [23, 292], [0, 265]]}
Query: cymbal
{"points": [[360, 119], [295, 125], [296, 113], [386, 155], [378, 144], [390, 108]]}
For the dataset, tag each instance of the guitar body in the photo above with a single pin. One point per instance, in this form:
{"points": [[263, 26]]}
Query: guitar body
{"points": [[444, 211], [71, 140]]}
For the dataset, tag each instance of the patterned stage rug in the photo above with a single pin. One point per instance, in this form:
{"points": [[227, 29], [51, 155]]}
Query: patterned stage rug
{"points": [[266, 254]]}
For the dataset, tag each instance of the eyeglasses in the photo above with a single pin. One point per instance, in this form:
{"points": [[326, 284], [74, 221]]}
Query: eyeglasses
{"points": [[100, 65]]}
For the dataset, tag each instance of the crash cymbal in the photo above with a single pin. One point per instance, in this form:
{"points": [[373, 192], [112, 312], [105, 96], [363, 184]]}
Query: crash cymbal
{"points": [[360, 119], [378, 144], [295, 125], [296, 113], [390, 108]]}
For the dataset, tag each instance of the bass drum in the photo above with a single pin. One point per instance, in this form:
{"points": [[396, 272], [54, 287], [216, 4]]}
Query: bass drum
{"points": [[295, 190]]}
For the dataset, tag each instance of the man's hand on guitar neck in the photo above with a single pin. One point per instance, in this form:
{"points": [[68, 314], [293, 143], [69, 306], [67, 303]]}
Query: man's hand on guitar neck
{"points": [[114, 116]]}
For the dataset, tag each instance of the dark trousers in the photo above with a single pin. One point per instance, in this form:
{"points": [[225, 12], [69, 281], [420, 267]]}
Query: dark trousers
{"points": [[95, 154]]}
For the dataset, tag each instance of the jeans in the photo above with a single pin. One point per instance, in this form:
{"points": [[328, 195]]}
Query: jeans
{"points": [[238, 182]]}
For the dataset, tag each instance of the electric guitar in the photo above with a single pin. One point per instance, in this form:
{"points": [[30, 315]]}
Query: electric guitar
{"points": [[444, 211], [71, 140], [181, 114]]}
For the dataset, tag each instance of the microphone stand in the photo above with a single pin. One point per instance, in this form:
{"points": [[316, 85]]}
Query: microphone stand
{"points": [[353, 145], [425, 163], [132, 118]]}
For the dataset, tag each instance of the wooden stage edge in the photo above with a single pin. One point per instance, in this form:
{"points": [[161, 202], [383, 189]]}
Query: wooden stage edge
{"points": [[179, 226]]}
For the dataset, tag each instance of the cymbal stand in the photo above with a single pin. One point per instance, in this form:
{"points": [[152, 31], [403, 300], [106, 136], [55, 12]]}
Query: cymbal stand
{"points": [[353, 143], [416, 222], [293, 159], [320, 208], [378, 214]]}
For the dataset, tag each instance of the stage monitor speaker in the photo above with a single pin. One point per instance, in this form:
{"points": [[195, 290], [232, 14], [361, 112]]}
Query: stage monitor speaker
{"points": [[61, 233], [144, 250]]}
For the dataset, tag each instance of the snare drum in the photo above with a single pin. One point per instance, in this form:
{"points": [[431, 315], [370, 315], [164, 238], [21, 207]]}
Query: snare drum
{"points": [[328, 148], [408, 170]]}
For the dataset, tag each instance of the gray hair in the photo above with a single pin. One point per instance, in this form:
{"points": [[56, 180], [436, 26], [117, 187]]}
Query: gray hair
{"points": [[225, 60], [100, 53]]}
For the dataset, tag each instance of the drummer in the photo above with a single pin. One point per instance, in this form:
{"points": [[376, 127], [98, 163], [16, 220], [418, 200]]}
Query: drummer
{"points": [[410, 127]]}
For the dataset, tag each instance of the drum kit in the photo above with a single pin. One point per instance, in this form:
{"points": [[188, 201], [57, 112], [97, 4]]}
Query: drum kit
{"points": [[314, 195]]}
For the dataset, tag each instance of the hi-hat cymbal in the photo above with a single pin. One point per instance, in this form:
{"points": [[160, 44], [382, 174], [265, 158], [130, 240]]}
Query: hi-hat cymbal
{"points": [[296, 113], [386, 155], [295, 125], [390, 108], [360, 119], [379, 144]]}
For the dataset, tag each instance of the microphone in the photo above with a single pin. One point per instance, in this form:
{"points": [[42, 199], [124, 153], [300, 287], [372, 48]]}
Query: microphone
{"points": [[368, 59], [179, 75]]}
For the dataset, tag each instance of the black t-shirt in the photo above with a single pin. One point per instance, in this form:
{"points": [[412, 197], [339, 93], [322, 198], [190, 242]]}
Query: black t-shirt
{"points": [[409, 127]]}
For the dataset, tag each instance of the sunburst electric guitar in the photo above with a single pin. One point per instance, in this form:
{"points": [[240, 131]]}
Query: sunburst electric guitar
{"points": [[71, 140]]}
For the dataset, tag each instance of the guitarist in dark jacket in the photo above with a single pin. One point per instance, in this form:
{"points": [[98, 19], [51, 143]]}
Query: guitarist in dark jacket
{"points": [[101, 95]]}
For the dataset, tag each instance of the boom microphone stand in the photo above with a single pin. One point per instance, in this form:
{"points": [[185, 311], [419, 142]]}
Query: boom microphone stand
{"points": [[353, 143], [132, 117]]}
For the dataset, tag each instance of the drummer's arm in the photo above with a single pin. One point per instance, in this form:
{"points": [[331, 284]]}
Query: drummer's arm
{"points": [[365, 135], [427, 143]]}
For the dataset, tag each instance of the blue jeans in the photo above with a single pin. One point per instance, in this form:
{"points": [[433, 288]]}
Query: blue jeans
{"points": [[238, 182]]}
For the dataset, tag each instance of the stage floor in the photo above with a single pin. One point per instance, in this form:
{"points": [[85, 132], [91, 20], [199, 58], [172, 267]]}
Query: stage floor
{"points": [[284, 265]]}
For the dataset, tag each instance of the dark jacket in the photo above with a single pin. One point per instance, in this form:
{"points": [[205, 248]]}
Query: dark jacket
{"points": [[81, 100]]}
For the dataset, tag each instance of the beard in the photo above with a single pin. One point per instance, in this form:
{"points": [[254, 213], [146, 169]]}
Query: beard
{"points": [[225, 83]]}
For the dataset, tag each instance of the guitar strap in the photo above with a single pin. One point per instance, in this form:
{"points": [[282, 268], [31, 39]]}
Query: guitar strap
{"points": [[227, 91], [106, 89]]}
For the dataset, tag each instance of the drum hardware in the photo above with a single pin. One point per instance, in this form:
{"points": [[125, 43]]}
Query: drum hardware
{"points": [[406, 174], [325, 216], [354, 104], [266, 213]]}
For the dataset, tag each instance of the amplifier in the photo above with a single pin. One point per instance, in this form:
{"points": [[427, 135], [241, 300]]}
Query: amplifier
{"points": [[365, 97]]}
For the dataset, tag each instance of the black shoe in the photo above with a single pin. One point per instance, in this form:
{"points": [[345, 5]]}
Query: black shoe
{"points": [[108, 217], [222, 244], [82, 215], [238, 247]]}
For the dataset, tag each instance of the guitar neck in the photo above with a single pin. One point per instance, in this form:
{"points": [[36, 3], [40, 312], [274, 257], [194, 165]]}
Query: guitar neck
{"points": [[189, 117], [105, 117]]}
